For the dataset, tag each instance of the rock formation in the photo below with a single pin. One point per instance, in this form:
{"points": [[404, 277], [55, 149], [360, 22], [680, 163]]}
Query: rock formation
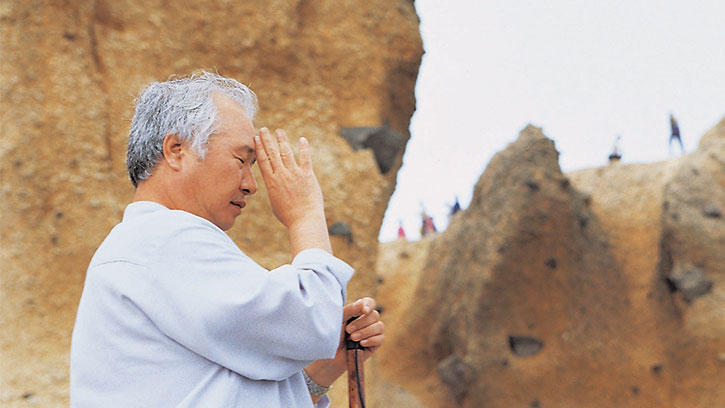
{"points": [[69, 72], [665, 231], [599, 288]]}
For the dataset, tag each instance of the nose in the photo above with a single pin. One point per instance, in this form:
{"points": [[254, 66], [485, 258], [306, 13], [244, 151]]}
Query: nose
{"points": [[248, 183]]}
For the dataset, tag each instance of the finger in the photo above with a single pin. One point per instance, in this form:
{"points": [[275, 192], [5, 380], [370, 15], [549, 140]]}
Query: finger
{"points": [[367, 332], [367, 305], [271, 149], [358, 308], [262, 158], [373, 342], [363, 321], [305, 156], [285, 151]]}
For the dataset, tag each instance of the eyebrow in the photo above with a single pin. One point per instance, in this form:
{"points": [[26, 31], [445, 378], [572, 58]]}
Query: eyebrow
{"points": [[246, 147], [249, 150]]}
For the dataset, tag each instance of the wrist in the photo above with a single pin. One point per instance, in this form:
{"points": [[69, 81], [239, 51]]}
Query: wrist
{"points": [[325, 372], [308, 219], [310, 232], [316, 390]]}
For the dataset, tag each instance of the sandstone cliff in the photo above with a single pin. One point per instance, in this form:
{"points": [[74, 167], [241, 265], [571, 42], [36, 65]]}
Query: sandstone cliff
{"points": [[600, 288], [69, 72]]}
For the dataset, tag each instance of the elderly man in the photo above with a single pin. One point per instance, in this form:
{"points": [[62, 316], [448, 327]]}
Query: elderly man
{"points": [[173, 313]]}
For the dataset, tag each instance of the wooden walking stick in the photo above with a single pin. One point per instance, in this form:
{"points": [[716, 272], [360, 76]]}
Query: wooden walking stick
{"points": [[355, 372]]}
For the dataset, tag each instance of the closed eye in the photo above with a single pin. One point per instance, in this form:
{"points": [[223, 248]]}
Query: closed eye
{"points": [[251, 164]]}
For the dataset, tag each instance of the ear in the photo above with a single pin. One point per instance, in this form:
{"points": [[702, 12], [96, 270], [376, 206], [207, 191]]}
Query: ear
{"points": [[173, 149]]}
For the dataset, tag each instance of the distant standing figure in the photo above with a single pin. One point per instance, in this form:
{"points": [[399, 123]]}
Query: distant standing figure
{"points": [[401, 231], [675, 134], [428, 228], [616, 154], [456, 207]]}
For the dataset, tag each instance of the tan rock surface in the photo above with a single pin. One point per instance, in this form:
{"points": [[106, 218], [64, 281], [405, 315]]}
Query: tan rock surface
{"points": [[657, 218], [68, 75], [616, 271], [580, 262]]}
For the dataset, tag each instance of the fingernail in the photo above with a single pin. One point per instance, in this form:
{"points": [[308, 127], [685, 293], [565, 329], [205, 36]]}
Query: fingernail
{"points": [[366, 309], [355, 336]]}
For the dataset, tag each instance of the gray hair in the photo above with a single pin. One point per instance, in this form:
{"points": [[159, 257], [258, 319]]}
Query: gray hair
{"points": [[180, 106]]}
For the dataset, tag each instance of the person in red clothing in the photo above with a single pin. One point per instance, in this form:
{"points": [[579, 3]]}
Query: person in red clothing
{"points": [[428, 228], [401, 230]]}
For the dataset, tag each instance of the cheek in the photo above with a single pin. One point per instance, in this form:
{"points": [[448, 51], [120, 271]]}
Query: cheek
{"points": [[232, 177]]}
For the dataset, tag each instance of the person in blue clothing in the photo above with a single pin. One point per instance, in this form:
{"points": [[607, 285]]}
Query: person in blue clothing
{"points": [[172, 312], [455, 207], [675, 134]]}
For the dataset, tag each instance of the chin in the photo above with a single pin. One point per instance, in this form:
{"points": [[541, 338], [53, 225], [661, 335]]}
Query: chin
{"points": [[228, 225], [224, 226]]}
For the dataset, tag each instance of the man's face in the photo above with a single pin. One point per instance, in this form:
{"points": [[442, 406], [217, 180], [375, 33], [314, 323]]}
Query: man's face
{"points": [[218, 186]]}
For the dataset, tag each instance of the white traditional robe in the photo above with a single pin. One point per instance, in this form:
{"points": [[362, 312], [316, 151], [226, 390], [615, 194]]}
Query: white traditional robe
{"points": [[173, 313]]}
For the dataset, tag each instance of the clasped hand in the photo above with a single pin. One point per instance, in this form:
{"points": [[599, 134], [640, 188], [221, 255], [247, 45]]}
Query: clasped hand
{"points": [[367, 328]]}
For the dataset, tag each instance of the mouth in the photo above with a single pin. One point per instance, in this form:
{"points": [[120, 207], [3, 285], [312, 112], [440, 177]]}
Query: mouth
{"points": [[239, 204]]}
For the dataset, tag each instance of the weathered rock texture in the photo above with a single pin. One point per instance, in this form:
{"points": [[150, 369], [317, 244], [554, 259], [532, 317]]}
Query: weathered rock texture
{"points": [[69, 72], [557, 290]]}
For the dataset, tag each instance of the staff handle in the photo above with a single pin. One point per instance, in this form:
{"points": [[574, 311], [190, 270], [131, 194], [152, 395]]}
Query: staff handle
{"points": [[355, 373]]}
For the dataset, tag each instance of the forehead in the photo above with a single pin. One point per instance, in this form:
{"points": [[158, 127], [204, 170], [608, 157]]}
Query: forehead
{"points": [[235, 127]]}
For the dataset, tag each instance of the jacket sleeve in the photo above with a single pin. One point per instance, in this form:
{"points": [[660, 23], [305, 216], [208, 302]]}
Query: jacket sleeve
{"points": [[207, 295], [324, 402]]}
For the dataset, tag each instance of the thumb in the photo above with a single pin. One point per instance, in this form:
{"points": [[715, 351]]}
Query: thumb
{"points": [[358, 308]]}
